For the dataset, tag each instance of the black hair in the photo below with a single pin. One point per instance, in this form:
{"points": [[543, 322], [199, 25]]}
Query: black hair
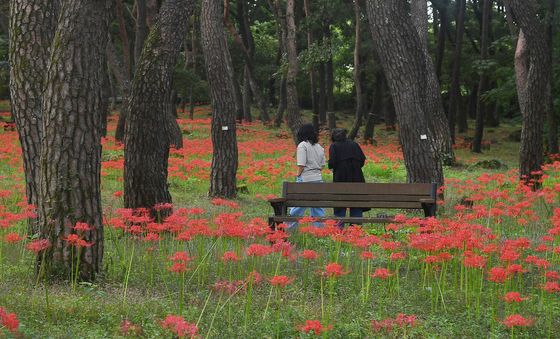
{"points": [[338, 134], [307, 133]]}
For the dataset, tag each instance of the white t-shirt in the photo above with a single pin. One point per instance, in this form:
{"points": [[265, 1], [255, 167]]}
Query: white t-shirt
{"points": [[312, 157]]}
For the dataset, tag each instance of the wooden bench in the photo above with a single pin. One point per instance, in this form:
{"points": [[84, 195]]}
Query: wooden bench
{"points": [[361, 195]]}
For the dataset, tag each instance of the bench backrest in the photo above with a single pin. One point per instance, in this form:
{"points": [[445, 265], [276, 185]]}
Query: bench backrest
{"points": [[364, 195]]}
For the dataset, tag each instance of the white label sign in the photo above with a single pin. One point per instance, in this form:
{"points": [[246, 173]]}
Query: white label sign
{"points": [[225, 128], [423, 137]]}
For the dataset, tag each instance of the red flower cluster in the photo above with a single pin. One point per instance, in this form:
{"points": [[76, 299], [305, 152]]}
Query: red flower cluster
{"points": [[281, 281], [180, 261], [178, 326], [9, 321], [314, 326], [334, 270], [517, 320], [38, 245], [401, 320]]}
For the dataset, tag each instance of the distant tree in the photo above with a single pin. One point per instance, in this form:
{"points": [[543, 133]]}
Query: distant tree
{"points": [[360, 104], [150, 128], [402, 57], [533, 69], [219, 71], [73, 109], [455, 90]]}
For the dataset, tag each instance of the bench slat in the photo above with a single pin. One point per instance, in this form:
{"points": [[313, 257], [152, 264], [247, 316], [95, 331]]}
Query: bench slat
{"points": [[358, 188], [357, 197], [347, 219], [362, 204]]}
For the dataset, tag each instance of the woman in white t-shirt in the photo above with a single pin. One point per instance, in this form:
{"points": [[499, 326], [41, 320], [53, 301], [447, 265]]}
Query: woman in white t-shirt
{"points": [[310, 161]]}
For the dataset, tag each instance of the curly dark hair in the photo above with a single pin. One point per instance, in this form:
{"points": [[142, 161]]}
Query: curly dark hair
{"points": [[307, 133]]}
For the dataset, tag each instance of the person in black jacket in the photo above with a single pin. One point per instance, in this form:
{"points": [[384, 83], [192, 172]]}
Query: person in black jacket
{"points": [[346, 160]]}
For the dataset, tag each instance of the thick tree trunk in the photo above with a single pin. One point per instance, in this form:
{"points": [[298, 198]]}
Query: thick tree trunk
{"points": [[147, 137], [455, 90], [403, 59], [357, 78], [436, 118], [141, 29], [533, 70], [73, 107], [483, 82], [293, 116], [219, 72], [32, 26]]}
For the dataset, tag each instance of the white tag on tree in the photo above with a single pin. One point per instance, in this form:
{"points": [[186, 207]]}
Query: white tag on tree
{"points": [[423, 137], [225, 128]]}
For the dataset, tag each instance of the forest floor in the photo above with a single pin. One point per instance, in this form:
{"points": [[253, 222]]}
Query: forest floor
{"points": [[451, 277]]}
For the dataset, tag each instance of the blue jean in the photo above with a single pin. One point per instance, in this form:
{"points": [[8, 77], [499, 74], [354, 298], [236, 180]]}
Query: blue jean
{"points": [[341, 213], [300, 211]]}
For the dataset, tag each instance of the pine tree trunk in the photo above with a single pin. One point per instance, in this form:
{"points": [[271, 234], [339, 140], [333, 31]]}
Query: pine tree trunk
{"points": [[552, 116], [483, 82], [127, 67], [403, 59], [247, 96], [376, 107], [442, 36], [533, 70], [32, 26], [357, 78], [312, 68], [437, 119], [219, 70], [281, 32], [141, 29], [73, 107], [293, 116], [147, 137], [455, 90]]}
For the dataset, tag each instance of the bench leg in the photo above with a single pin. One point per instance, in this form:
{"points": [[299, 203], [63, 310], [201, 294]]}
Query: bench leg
{"points": [[429, 210]]}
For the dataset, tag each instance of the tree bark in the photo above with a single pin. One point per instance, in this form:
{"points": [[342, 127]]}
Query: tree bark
{"points": [[151, 12], [376, 107], [533, 70], [293, 116], [483, 82], [73, 107], [455, 90], [147, 137], [357, 78], [437, 120], [125, 74], [141, 29], [312, 70], [442, 36], [403, 59], [552, 116], [194, 56], [32, 27], [219, 70], [247, 95]]}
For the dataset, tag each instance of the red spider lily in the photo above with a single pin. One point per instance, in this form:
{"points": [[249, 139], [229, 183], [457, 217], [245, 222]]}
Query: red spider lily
{"points": [[498, 274], [255, 277], [76, 241], [277, 236], [12, 238], [224, 202], [474, 261], [281, 280], [151, 237], [178, 326], [517, 320], [9, 321], [258, 250], [514, 297], [230, 287], [307, 220], [388, 324], [135, 229], [38, 245], [118, 194], [334, 270], [163, 206], [128, 328], [178, 267], [309, 254], [382, 273], [182, 257], [366, 255], [315, 326], [431, 259], [230, 256], [82, 226], [395, 256], [515, 269], [552, 275], [551, 287]]}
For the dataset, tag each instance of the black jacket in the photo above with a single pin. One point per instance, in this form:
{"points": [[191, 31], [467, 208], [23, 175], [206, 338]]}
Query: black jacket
{"points": [[346, 159]]}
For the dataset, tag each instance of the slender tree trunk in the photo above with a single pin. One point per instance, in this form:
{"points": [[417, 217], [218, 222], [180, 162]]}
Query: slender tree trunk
{"points": [[390, 115], [312, 71], [329, 83], [194, 56], [124, 75], [123, 34], [282, 103], [552, 116], [404, 62], [455, 90], [219, 72], [437, 119], [32, 27], [442, 36], [147, 137], [73, 107], [247, 96], [357, 78], [376, 107], [141, 29], [483, 82], [151, 12], [533, 70], [293, 116], [282, 36]]}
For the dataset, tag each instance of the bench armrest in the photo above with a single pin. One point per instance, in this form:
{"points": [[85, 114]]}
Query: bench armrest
{"points": [[279, 206], [276, 200]]}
